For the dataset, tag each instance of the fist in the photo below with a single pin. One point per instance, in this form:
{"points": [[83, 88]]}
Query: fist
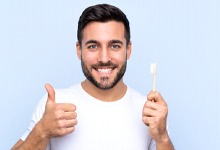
{"points": [[154, 116]]}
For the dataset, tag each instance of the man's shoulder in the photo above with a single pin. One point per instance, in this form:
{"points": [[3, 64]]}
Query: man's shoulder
{"points": [[72, 88], [135, 92], [137, 96], [66, 94]]}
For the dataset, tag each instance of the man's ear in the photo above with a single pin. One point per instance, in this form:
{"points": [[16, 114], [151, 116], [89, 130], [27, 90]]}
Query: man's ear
{"points": [[78, 50], [129, 49]]}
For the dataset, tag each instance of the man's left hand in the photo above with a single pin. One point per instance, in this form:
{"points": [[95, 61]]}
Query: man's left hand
{"points": [[155, 116]]}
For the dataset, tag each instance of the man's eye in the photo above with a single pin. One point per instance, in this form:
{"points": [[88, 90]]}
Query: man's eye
{"points": [[92, 46], [115, 46]]}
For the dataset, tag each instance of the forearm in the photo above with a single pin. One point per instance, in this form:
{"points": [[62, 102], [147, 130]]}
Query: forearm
{"points": [[36, 140]]}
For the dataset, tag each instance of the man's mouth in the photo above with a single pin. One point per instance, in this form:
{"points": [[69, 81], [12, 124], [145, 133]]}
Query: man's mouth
{"points": [[104, 70]]}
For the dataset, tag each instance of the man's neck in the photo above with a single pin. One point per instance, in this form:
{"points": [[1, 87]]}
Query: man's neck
{"points": [[107, 95]]}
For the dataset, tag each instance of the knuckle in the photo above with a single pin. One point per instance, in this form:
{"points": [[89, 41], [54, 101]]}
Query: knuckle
{"points": [[75, 122], [146, 104], [58, 114], [70, 130], [148, 96], [62, 131], [147, 112], [166, 110], [71, 115], [60, 123], [157, 94], [144, 120], [73, 129], [74, 115]]}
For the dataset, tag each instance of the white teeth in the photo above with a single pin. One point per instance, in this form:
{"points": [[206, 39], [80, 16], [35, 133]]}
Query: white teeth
{"points": [[104, 70]]}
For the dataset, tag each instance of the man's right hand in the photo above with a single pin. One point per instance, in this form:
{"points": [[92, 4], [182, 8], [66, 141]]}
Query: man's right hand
{"points": [[59, 119]]}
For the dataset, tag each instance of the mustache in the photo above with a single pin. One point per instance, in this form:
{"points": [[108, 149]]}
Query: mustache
{"points": [[108, 64]]}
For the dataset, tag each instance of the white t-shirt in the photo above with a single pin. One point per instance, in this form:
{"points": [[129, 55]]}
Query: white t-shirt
{"points": [[101, 125]]}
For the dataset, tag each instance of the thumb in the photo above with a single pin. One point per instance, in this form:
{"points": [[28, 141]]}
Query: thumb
{"points": [[51, 93]]}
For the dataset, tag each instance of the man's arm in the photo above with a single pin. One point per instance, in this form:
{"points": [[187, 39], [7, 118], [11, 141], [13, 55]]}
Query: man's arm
{"points": [[155, 117], [58, 120], [19, 142], [34, 141], [165, 144]]}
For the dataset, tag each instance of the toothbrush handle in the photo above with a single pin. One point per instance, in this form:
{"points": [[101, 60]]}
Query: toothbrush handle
{"points": [[154, 82]]}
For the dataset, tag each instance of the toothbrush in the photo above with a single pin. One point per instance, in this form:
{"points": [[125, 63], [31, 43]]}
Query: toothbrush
{"points": [[153, 70]]}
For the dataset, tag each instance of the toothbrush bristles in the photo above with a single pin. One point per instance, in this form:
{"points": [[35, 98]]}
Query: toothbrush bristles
{"points": [[153, 68]]}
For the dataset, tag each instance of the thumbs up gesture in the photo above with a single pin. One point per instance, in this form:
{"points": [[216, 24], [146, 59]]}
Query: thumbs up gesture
{"points": [[59, 119]]}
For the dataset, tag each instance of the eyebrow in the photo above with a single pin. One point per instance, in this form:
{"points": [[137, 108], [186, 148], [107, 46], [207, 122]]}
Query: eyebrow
{"points": [[110, 42], [91, 41], [115, 41]]}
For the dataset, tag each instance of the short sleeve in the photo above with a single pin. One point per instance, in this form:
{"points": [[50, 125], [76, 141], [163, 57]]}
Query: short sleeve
{"points": [[37, 115], [152, 145]]}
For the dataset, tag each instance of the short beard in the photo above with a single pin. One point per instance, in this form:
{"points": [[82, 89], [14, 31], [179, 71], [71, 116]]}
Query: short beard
{"points": [[104, 84]]}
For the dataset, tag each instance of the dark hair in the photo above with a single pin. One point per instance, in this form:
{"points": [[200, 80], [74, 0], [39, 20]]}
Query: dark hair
{"points": [[102, 13]]}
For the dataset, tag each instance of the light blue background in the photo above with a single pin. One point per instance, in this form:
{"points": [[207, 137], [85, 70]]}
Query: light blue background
{"points": [[37, 45]]}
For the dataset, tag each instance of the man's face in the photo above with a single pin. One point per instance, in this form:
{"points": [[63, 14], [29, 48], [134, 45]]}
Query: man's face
{"points": [[104, 53]]}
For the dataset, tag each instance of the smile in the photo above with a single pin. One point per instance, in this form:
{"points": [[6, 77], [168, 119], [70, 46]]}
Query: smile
{"points": [[106, 70]]}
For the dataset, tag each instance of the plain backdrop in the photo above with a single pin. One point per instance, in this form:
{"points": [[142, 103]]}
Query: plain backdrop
{"points": [[37, 45]]}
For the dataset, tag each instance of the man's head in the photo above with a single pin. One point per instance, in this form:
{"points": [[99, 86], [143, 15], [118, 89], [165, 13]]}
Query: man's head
{"points": [[102, 13], [103, 45]]}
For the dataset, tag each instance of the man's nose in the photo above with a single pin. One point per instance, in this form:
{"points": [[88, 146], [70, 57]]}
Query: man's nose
{"points": [[104, 55]]}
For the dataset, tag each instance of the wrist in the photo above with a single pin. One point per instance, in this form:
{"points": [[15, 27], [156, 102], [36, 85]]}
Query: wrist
{"points": [[37, 139], [164, 143], [41, 132], [163, 138]]}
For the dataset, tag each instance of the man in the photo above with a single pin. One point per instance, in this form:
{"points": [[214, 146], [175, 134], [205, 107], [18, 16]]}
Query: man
{"points": [[109, 114]]}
